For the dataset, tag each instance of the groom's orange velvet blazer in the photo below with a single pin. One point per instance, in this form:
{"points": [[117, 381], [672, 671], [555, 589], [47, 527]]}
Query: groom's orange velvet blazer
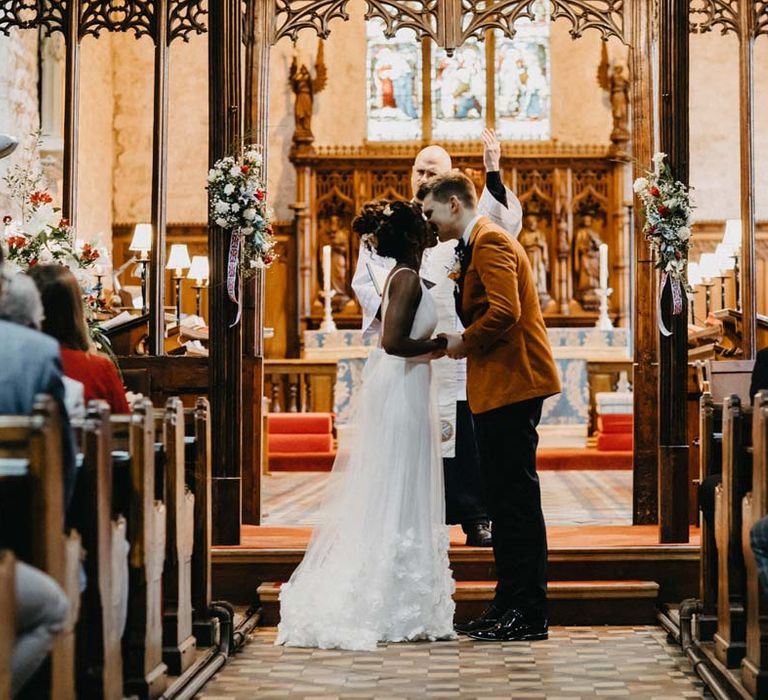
{"points": [[509, 358]]}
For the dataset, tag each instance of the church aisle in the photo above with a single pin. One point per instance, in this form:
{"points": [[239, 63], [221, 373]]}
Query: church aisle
{"points": [[576, 662]]}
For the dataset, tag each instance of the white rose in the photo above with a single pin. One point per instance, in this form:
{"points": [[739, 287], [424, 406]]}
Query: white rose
{"points": [[684, 233], [221, 222], [212, 175], [234, 171], [221, 207], [247, 230], [640, 184], [249, 214], [229, 188]]}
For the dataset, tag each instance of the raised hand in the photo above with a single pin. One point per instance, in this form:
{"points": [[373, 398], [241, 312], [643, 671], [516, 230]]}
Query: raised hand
{"points": [[491, 151]]}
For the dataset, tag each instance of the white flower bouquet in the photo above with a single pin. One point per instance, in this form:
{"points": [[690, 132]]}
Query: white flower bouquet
{"points": [[667, 210], [237, 202]]}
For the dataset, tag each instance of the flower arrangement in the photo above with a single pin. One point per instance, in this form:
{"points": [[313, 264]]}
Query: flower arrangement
{"points": [[667, 210], [237, 201], [36, 234]]}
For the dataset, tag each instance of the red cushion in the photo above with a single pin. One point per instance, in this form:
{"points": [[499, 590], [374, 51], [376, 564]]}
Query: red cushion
{"points": [[300, 443], [299, 423], [612, 442], [615, 423], [302, 462]]}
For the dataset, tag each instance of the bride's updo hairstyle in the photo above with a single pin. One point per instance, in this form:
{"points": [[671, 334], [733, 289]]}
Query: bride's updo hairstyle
{"points": [[391, 229]]}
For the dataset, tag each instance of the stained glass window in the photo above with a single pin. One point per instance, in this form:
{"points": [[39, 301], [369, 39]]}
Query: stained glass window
{"points": [[394, 85], [459, 92], [522, 82]]}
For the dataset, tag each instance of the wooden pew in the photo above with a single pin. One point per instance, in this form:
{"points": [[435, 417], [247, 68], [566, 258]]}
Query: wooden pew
{"points": [[8, 617], [204, 626], [730, 639], [100, 666], [144, 672], [710, 443], [37, 512], [178, 643], [754, 666]]}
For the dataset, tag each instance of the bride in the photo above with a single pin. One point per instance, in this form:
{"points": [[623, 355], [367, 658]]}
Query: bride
{"points": [[376, 568]]}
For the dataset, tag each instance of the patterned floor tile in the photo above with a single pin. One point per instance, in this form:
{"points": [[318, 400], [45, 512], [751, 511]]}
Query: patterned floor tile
{"points": [[576, 663]]}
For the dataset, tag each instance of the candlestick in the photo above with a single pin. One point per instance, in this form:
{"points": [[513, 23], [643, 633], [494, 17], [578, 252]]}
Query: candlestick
{"points": [[603, 266], [326, 268]]}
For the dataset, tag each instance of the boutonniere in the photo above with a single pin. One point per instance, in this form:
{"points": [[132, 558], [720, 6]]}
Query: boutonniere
{"points": [[454, 272]]}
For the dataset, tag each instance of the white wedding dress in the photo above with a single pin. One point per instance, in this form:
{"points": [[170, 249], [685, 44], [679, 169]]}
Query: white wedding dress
{"points": [[376, 568]]}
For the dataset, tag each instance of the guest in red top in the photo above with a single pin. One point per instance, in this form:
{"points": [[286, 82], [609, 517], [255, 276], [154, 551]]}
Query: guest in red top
{"points": [[65, 321]]}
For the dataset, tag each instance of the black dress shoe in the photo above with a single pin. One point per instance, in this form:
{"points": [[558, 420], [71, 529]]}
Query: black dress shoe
{"points": [[514, 626], [488, 619], [478, 535]]}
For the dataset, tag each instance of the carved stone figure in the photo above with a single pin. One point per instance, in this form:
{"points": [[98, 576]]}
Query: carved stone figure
{"points": [[305, 87], [535, 244], [619, 85], [586, 264]]}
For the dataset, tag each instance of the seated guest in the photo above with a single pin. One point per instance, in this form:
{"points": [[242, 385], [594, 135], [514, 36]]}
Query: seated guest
{"points": [[21, 301], [65, 321], [22, 304], [41, 611], [30, 365]]}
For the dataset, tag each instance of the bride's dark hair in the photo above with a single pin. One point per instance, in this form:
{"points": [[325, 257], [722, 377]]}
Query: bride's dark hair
{"points": [[391, 228]]}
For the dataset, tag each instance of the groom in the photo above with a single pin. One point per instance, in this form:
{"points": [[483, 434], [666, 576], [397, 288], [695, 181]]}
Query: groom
{"points": [[510, 371]]}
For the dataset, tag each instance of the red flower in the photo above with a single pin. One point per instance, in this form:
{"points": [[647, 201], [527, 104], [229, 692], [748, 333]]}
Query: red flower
{"points": [[40, 198], [63, 223], [7, 219], [259, 194], [268, 259], [245, 169], [677, 255], [17, 241], [89, 253], [663, 211], [654, 191], [33, 262], [652, 229]]}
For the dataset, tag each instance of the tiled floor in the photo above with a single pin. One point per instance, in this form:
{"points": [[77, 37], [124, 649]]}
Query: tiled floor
{"points": [[576, 662], [568, 497]]}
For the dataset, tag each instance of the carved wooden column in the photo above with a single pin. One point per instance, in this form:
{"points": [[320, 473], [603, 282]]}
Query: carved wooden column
{"points": [[747, 23], [159, 206], [224, 366], [71, 110], [645, 370], [258, 21], [673, 349]]}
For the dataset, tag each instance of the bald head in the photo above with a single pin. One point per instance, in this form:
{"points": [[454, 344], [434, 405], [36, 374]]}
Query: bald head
{"points": [[430, 162]]}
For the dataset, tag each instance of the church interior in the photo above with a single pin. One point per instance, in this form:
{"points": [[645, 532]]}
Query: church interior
{"points": [[241, 377]]}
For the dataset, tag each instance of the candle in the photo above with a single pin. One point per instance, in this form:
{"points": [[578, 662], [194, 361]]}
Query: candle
{"points": [[98, 270], [603, 266], [327, 268]]}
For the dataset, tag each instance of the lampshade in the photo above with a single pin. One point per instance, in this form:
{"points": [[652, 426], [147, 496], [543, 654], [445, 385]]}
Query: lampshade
{"points": [[708, 266], [142, 238], [694, 275], [198, 270], [732, 235], [179, 257], [724, 255]]}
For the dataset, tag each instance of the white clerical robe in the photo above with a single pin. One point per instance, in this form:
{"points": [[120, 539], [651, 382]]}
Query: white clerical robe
{"points": [[450, 375]]}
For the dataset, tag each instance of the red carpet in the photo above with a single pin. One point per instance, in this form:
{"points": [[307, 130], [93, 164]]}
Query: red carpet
{"points": [[585, 458], [549, 459]]}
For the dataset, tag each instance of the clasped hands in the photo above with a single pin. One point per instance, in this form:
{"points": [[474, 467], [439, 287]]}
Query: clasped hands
{"points": [[455, 348]]}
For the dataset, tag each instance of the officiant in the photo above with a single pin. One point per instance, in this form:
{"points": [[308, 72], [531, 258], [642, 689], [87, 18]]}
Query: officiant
{"points": [[463, 500]]}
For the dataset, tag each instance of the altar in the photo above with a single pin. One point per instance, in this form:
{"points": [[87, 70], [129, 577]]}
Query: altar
{"points": [[566, 417]]}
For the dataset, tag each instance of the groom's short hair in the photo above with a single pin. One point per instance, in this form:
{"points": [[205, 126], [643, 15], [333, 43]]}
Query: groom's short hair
{"points": [[443, 187]]}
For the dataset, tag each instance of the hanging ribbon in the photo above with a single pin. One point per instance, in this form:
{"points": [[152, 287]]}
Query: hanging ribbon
{"points": [[233, 281], [677, 301]]}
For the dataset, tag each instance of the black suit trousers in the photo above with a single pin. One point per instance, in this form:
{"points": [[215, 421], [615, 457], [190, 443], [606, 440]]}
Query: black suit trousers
{"points": [[507, 442]]}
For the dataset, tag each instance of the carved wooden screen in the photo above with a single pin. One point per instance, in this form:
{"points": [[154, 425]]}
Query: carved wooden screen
{"points": [[571, 198]]}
